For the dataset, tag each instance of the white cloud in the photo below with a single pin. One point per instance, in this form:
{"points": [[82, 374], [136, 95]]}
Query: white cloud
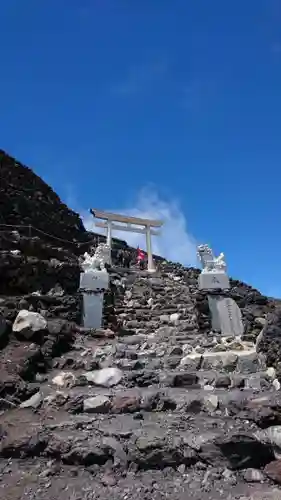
{"points": [[175, 242]]}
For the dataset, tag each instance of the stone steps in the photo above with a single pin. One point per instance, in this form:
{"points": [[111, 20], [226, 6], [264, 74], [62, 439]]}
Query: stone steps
{"points": [[141, 352], [246, 361], [211, 380], [151, 428], [153, 375], [170, 400]]}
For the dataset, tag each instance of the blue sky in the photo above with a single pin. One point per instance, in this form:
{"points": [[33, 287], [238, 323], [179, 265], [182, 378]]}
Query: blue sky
{"points": [[104, 98]]}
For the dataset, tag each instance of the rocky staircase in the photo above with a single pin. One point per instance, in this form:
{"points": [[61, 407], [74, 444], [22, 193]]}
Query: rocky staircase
{"points": [[162, 313], [157, 401]]}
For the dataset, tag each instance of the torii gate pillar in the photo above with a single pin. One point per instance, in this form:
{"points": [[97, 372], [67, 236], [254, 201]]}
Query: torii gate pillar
{"points": [[150, 263], [109, 236]]}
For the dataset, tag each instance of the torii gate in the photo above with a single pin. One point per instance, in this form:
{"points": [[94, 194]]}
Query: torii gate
{"points": [[147, 224]]}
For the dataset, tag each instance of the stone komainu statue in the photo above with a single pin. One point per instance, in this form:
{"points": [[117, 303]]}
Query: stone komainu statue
{"points": [[99, 260], [209, 261]]}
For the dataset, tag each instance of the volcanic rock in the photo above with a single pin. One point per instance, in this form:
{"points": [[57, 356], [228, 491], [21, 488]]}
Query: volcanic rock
{"points": [[273, 471]]}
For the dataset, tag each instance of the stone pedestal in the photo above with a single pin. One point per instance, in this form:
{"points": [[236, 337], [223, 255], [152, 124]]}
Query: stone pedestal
{"points": [[93, 284], [226, 315], [213, 280]]}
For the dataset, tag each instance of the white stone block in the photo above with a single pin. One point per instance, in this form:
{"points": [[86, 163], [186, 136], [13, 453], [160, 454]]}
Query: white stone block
{"points": [[93, 280], [213, 280]]}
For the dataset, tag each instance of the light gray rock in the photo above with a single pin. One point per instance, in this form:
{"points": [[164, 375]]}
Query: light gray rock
{"points": [[236, 345], [181, 469], [33, 402], [211, 403], [107, 377], [208, 388], [271, 435], [229, 362], [213, 361], [96, 404], [199, 349], [253, 475], [260, 338], [253, 382], [120, 457], [250, 362], [271, 373], [175, 351], [57, 398], [192, 361], [164, 318], [229, 476], [260, 321], [276, 384], [174, 318], [27, 323], [64, 379]]}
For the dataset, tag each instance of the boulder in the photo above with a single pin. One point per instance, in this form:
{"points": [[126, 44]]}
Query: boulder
{"points": [[126, 402], [33, 402], [28, 323], [96, 404], [106, 377], [238, 451], [211, 403], [273, 471], [64, 379]]}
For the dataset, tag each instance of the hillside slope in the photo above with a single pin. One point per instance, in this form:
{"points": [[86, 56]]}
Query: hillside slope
{"points": [[26, 199]]}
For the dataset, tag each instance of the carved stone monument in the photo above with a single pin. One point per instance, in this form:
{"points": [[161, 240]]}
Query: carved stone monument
{"points": [[226, 315], [93, 283], [213, 275]]}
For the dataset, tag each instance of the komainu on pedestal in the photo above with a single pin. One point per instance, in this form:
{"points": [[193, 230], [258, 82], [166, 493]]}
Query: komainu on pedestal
{"points": [[94, 280], [225, 313]]}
